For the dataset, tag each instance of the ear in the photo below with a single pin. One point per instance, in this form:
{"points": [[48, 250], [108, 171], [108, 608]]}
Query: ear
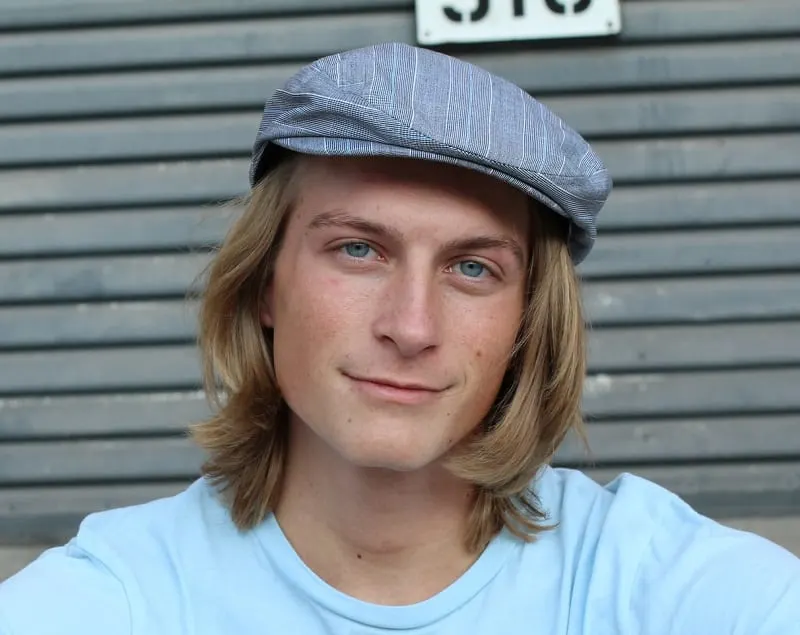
{"points": [[265, 312]]}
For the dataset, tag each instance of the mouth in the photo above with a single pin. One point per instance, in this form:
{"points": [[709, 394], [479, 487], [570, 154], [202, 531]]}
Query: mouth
{"points": [[396, 391]]}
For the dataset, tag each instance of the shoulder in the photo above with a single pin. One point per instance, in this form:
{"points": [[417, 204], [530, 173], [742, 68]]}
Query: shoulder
{"points": [[156, 547], [156, 523], [66, 590], [673, 569], [699, 576], [94, 583]]}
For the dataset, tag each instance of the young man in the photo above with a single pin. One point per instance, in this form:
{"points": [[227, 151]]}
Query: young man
{"points": [[394, 326]]}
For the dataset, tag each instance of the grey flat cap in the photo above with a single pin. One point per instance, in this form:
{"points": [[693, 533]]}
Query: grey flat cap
{"points": [[398, 100]]}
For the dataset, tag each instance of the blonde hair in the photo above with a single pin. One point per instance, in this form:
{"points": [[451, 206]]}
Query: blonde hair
{"points": [[246, 438]]}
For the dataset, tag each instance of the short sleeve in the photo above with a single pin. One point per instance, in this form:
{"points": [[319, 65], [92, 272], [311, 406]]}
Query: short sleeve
{"points": [[719, 581], [66, 591]]}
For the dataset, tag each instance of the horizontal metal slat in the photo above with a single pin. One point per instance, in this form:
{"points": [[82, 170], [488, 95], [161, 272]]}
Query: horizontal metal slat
{"points": [[685, 440], [163, 183], [255, 38], [139, 414], [178, 228], [639, 395], [163, 137], [655, 19], [67, 13], [643, 67], [169, 367], [745, 156], [115, 415], [726, 490], [618, 303], [714, 346], [584, 69], [62, 462], [59, 462], [232, 133], [111, 231], [198, 43], [51, 514], [693, 299], [668, 19], [731, 479], [99, 278], [128, 94], [622, 256], [701, 204], [98, 324], [37, 501], [698, 252], [631, 350], [679, 112]]}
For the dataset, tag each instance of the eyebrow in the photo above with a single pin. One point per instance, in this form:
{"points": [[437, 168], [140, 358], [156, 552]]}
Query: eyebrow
{"points": [[338, 218]]}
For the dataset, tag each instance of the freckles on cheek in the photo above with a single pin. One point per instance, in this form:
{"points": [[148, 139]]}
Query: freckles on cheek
{"points": [[488, 354], [327, 306]]}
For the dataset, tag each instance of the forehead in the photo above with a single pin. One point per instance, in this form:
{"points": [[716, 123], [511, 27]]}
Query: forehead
{"points": [[392, 190]]}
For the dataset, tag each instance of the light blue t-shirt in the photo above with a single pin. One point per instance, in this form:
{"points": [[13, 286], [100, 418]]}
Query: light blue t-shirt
{"points": [[628, 558]]}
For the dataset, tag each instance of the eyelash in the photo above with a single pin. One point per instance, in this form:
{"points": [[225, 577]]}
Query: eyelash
{"points": [[341, 249]]}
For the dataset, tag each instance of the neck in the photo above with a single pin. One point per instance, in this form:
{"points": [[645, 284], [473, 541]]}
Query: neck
{"points": [[380, 536]]}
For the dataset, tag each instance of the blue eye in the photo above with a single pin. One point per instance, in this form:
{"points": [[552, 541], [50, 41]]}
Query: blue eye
{"points": [[471, 269], [357, 250]]}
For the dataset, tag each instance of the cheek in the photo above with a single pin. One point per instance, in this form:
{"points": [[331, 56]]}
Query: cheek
{"points": [[313, 320], [308, 306], [490, 334], [488, 345], [489, 364]]}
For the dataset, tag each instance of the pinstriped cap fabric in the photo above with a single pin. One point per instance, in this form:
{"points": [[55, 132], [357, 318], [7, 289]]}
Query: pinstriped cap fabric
{"points": [[398, 100]]}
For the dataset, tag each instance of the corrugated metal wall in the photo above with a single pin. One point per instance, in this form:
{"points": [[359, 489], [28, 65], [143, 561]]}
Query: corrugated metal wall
{"points": [[120, 122]]}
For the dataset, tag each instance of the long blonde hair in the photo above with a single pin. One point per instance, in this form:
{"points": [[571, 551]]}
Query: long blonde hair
{"points": [[246, 438]]}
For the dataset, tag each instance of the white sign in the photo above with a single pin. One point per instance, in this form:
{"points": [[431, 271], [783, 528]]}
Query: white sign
{"points": [[454, 21]]}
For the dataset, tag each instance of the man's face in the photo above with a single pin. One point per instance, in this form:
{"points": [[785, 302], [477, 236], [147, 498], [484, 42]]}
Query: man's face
{"points": [[396, 299]]}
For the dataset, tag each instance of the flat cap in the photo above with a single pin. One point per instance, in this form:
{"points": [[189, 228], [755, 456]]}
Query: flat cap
{"points": [[398, 100]]}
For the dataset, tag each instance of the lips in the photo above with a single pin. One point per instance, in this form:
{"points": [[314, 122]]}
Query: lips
{"points": [[401, 385], [395, 391]]}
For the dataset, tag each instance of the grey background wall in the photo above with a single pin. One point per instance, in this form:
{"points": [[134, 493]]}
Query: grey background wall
{"points": [[123, 123]]}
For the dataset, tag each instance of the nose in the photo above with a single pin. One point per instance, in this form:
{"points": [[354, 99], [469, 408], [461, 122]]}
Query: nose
{"points": [[409, 315]]}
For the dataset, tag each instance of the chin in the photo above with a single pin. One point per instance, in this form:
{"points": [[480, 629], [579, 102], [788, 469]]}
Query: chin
{"points": [[391, 457]]}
